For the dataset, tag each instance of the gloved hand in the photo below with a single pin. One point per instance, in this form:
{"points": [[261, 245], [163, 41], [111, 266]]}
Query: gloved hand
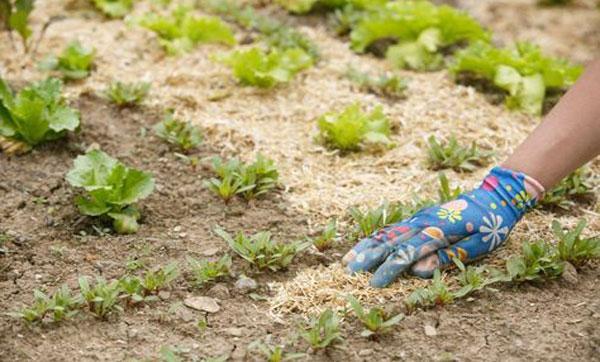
{"points": [[469, 227]]}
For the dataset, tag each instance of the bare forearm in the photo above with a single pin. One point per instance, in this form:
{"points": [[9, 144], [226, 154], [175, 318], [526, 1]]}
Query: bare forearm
{"points": [[568, 137]]}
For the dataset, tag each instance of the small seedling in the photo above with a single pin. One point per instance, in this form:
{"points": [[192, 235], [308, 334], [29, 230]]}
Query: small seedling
{"points": [[260, 250], [114, 8], [572, 247], [248, 180], [437, 293], [14, 16], [472, 279], [352, 129], [103, 298], [375, 320], [537, 261], [127, 94], [60, 306], [112, 189], [155, 280], [133, 290], [207, 271], [445, 192], [322, 331], [384, 85], [327, 237], [276, 353], [374, 219], [179, 133], [576, 185], [454, 156], [74, 63], [36, 114]]}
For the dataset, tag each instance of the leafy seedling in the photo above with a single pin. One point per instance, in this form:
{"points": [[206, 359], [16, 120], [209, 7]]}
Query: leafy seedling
{"points": [[260, 250], [112, 189], [374, 219], [208, 271], [103, 298], [375, 320], [472, 279], [437, 293], [181, 31], [158, 279], [114, 8], [445, 193], [127, 94], [60, 306], [443, 155], [391, 86], [74, 63], [322, 331], [274, 33], [256, 67], [352, 129], [538, 261], [572, 247], [575, 186], [249, 180], [327, 237], [133, 290], [14, 16], [36, 114], [275, 353], [179, 133]]}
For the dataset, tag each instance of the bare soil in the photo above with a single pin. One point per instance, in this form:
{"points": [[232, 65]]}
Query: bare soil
{"points": [[50, 243]]}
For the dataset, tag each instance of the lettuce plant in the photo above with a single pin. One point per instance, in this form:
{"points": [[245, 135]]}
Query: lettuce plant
{"points": [[112, 189], [14, 16], [181, 31], [206, 271], [102, 298], [421, 29], [74, 63], [114, 8], [352, 129], [36, 114], [256, 67], [524, 73]]}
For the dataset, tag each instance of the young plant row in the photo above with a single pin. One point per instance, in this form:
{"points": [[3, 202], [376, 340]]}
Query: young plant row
{"points": [[419, 35], [102, 298]]}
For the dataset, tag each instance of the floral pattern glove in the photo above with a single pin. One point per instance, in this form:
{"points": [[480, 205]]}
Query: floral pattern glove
{"points": [[469, 227]]}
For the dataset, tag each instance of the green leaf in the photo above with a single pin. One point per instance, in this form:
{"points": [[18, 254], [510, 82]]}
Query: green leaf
{"points": [[125, 221], [18, 20], [114, 8]]}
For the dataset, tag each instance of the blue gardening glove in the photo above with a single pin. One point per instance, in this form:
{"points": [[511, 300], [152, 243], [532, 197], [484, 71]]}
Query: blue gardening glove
{"points": [[469, 227]]}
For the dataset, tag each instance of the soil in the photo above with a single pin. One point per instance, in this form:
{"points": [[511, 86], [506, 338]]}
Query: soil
{"points": [[50, 243]]}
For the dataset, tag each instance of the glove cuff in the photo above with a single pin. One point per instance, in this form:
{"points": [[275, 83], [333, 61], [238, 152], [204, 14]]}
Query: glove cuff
{"points": [[520, 190]]}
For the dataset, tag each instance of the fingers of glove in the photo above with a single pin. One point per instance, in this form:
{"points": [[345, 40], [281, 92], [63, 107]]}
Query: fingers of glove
{"points": [[383, 242], [372, 254], [421, 245], [467, 249]]}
